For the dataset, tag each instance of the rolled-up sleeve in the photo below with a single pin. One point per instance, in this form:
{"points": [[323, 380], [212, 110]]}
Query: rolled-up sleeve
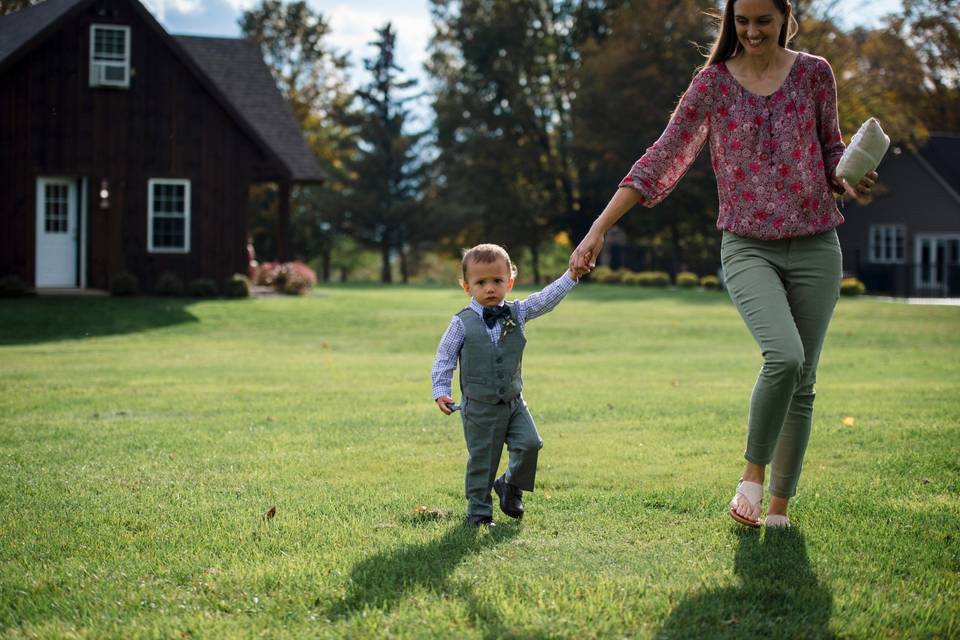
{"points": [[657, 172], [828, 121]]}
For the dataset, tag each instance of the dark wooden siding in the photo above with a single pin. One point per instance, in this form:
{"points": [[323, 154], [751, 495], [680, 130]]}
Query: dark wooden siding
{"points": [[165, 125]]}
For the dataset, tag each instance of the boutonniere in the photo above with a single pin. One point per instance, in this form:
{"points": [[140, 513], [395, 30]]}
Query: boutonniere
{"points": [[507, 325]]}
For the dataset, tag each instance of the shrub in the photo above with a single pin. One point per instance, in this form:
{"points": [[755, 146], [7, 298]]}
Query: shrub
{"points": [[852, 287], [123, 283], [710, 283], [687, 280], [658, 279], [599, 273], [237, 286], [202, 288], [631, 278], [13, 287], [266, 273], [169, 284], [292, 278]]}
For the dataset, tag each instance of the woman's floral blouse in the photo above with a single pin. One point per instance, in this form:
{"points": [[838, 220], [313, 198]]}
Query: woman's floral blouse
{"points": [[773, 155]]}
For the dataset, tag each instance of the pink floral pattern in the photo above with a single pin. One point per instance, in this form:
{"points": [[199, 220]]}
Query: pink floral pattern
{"points": [[773, 155]]}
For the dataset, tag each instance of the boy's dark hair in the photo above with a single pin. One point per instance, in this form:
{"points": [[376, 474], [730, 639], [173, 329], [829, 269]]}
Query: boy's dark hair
{"points": [[486, 253]]}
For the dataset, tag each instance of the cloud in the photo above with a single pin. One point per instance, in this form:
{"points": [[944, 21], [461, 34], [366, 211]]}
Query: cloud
{"points": [[240, 5], [352, 29], [159, 8]]}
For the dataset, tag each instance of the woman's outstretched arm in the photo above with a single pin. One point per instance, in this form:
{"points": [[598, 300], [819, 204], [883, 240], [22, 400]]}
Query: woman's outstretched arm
{"points": [[584, 257], [657, 172]]}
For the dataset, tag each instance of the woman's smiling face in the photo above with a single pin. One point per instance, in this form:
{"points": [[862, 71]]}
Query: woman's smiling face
{"points": [[758, 23]]}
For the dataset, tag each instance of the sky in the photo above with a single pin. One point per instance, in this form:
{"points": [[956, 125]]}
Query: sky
{"points": [[353, 22]]}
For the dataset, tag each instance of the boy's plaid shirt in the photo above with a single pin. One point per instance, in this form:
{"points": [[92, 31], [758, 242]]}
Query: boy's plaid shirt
{"points": [[533, 307]]}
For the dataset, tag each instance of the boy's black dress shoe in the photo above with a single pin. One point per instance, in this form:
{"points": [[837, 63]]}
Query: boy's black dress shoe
{"points": [[480, 521], [510, 502]]}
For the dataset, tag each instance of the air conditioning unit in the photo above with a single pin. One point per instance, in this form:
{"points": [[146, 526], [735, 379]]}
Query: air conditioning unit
{"points": [[108, 74]]}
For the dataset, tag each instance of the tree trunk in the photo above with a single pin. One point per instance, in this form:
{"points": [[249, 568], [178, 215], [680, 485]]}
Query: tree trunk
{"points": [[404, 270], [535, 259], [326, 258], [385, 276], [675, 257]]}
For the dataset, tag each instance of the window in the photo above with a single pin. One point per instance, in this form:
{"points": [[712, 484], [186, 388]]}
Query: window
{"points": [[55, 214], [168, 221], [886, 243], [109, 56]]}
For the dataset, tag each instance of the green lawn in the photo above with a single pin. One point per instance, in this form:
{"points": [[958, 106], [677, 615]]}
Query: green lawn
{"points": [[142, 440]]}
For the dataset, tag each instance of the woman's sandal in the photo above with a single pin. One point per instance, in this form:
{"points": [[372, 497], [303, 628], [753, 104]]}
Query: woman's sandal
{"points": [[774, 521], [753, 494]]}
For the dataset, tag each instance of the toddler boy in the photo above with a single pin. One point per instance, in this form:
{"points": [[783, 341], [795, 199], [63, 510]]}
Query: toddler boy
{"points": [[488, 338]]}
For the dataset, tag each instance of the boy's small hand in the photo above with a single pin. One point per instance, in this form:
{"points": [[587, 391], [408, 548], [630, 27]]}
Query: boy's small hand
{"points": [[442, 402], [578, 272]]}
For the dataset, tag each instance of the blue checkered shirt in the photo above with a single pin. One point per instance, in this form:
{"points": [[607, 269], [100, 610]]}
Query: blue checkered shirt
{"points": [[533, 307]]}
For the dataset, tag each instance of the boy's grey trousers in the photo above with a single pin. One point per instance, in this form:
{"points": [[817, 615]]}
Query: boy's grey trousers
{"points": [[786, 291], [486, 427]]}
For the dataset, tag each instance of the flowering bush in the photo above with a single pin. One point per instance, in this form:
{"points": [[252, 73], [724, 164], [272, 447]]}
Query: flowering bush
{"points": [[852, 287], [653, 279], [687, 280], [293, 278], [710, 283]]}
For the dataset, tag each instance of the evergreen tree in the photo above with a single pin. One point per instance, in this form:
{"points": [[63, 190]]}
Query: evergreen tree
{"points": [[312, 77], [387, 208]]}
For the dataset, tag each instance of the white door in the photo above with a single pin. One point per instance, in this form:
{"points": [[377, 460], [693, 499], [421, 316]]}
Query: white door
{"points": [[56, 232], [935, 254]]}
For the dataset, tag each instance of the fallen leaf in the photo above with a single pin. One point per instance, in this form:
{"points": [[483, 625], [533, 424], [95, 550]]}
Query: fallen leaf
{"points": [[324, 345], [848, 421], [272, 511], [428, 513]]}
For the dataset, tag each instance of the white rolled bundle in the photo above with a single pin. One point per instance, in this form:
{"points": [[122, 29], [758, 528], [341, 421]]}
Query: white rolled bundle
{"points": [[864, 152]]}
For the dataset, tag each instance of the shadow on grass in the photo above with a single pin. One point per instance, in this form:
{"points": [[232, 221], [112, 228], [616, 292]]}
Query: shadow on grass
{"points": [[43, 319], [381, 581], [779, 595]]}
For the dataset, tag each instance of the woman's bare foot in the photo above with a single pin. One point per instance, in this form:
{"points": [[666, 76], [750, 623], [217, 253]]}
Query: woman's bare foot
{"points": [[777, 513]]}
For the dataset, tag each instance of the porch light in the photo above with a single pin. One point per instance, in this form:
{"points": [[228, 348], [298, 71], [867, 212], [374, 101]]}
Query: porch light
{"points": [[104, 194]]}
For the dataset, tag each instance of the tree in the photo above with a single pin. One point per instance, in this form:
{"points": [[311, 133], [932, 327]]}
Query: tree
{"points": [[932, 29], [387, 209], [628, 85], [9, 6], [312, 77]]}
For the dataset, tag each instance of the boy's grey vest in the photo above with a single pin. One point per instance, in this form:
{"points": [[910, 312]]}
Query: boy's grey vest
{"points": [[490, 372]]}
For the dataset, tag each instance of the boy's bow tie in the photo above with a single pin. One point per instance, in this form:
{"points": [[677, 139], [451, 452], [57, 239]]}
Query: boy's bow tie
{"points": [[492, 314]]}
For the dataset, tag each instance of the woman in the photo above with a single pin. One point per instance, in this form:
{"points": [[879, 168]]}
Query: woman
{"points": [[771, 117]]}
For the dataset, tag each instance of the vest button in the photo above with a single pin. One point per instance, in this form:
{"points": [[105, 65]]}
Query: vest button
{"points": [[500, 374], [499, 359], [500, 391]]}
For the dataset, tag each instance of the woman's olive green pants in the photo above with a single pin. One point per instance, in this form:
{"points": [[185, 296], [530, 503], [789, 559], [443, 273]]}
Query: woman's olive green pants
{"points": [[786, 291]]}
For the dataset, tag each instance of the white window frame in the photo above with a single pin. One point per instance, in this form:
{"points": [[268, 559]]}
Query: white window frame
{"points": [[97, 77], [886, 252], [929, 279], [151, 215]]}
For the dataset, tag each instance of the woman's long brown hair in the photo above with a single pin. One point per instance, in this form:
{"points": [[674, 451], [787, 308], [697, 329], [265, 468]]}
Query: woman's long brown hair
{"points": [[727, 45]]}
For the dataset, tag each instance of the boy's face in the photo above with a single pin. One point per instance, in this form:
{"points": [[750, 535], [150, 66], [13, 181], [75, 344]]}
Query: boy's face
{"points": [[488, 282]]}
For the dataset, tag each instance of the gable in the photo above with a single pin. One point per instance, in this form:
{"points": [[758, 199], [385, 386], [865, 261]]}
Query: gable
{"points": [[281, 141]]}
